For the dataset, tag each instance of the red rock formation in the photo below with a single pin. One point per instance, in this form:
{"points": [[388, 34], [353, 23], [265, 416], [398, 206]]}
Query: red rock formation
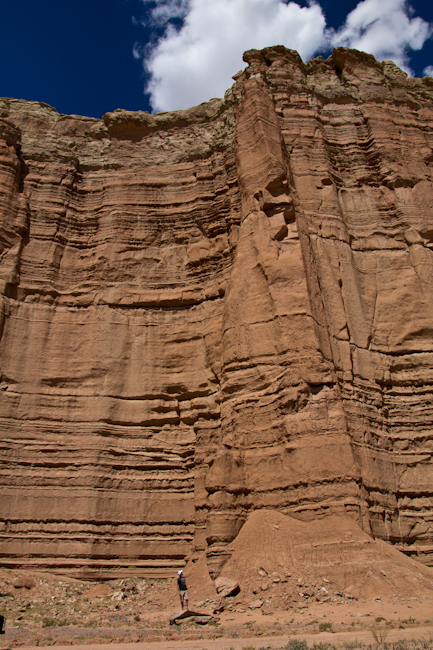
{"points": [[217, 310]]}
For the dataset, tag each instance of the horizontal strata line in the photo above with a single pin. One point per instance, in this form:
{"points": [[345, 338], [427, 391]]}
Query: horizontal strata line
{"points": [[134, 529], [290, 487], [97, 553], [177, 479], [398, 353], [411, 436], [171, 397], [141, 443], [393, 452], [98, 536], [186, 465], [403, 429], [401, 494], [172, 495], [392, 391], [136, 484], [409, 511], [62, 527], [391, 353], [89, 521], [163, 450], [339, 480], [283, 444], [177, 472], [371, 249], [171, 418], [171, 400], [86, 537], [48, 425], [177, 482], [175, 538], [185, 194], [396, 422], [100, 558], [167, 397], [150, 305]]}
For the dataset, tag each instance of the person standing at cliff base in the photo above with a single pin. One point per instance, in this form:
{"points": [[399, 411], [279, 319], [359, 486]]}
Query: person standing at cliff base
{"points": [[183, 591]]}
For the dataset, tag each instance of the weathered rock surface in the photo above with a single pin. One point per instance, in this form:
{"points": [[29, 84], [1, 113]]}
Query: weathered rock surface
{"points": [[328, 556], [214, 311], [226, 587]]}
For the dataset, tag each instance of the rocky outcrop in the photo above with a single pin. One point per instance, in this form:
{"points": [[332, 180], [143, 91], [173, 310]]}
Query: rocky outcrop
{"points": [[215, 311]]}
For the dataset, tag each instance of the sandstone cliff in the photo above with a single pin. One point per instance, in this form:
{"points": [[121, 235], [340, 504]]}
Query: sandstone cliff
{"points": [[214, 311]]}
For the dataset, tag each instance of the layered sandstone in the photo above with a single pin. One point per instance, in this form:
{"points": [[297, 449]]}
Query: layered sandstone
{"points": [[214, 311]]}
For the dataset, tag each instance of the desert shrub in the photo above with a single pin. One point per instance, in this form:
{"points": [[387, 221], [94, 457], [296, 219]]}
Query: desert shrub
{"points": [[297, 644], [379, 635], [408, 621], [325, 626]]}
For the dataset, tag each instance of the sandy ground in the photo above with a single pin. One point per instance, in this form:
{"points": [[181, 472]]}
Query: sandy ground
{"points": [[49, 611]]}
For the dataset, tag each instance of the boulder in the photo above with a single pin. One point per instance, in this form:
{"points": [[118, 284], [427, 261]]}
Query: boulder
{"points": [[98, 591], [187, 615], [256, 604], [24, 583], [226, 587]]}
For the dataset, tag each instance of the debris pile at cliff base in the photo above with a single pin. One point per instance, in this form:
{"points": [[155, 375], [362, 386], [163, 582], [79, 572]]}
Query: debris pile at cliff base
{"points": [[283, 559]]}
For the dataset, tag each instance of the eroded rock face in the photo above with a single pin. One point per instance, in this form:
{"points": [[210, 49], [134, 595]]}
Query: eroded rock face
{"points": [[217, 310]]}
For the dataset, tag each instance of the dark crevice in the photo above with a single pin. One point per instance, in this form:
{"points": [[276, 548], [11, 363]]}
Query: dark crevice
{"points": [[24, 170]]}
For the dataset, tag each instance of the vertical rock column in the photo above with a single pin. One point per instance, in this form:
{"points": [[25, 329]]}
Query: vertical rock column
{"points": [[13, 212], [359, 133], [284, 442]]}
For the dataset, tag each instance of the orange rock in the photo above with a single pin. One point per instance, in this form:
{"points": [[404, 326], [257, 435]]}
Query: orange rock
{"points": [[98, 591], [226, 587], [215, 311], [24, 582]]}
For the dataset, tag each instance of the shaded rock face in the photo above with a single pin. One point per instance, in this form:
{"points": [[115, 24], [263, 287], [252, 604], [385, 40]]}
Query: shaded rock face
{"points": [[213, 311]]}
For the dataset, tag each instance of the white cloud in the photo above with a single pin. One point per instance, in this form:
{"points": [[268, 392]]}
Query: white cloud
{"points": [[137, 51], [195, 60], [428, 71], [384, 28], [165, 10]]}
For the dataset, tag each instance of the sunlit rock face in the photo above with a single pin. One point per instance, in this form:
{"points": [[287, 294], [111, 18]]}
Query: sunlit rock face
{"points": [[217, 310]]}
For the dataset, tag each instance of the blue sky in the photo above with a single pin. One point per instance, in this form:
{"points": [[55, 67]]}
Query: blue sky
{"points": [[92, 56]]}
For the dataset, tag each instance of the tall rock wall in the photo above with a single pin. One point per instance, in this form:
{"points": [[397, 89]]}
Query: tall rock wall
{"points": [[216, 310]]}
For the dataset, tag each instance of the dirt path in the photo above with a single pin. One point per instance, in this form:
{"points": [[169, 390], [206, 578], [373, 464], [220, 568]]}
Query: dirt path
{"points": [[268, 642]]}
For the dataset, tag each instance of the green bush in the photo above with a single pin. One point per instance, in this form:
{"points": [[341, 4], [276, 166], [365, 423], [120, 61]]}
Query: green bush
{"points": [[325, 626], [297, 644], [51, 622]]}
